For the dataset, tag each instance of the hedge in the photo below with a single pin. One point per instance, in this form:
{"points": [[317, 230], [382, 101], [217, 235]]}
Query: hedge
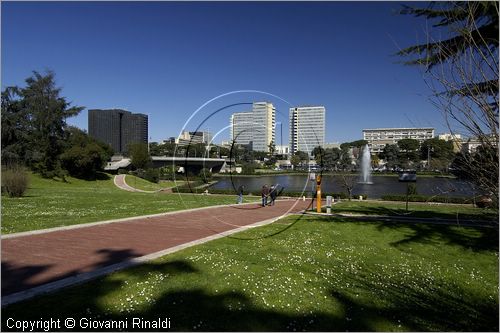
{"points": [[285, 193]]}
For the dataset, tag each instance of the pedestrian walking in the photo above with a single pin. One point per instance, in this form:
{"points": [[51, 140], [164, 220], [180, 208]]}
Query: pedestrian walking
{"points": [[240, 190], [273, 193], [265, 194]]}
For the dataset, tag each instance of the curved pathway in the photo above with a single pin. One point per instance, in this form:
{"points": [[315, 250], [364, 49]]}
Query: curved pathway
{"points": [[46, 260], [122, 184]]}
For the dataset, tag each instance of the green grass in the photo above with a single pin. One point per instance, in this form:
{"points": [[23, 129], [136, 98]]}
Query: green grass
{"points": [[424, 210], [308, 273], [141, 184], [145, 185], [171, 183], [50, 203]]}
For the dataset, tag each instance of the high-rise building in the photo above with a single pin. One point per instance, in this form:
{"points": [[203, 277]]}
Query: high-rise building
{"points": [[256, 128], [307, 128], [242, 128], [377, 138], [118, 128], [264, 117]]}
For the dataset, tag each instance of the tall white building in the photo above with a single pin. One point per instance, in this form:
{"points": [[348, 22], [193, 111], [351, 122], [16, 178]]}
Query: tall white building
{"points": [[307, 128], [255, 128], [242, 128], [378, 137]]}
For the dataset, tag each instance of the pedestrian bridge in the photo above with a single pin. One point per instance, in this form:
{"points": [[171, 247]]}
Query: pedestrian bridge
{"points": [[194, 164]]}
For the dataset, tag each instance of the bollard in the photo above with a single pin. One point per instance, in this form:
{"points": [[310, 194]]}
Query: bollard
{"points": [[328, 204]]}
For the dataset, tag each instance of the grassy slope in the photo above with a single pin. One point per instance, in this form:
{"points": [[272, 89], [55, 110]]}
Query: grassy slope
{"points": [[145, 185], [141, 184], [50, 203], [310, 275]]}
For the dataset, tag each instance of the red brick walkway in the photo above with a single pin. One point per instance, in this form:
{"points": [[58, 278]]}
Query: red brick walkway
{"points": [[34, 260]]}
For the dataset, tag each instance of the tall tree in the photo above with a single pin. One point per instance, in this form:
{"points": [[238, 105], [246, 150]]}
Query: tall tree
{"points": [[272, 148], [409, 151], [390, 155], [15, 127], [438, 153], [462, 69], [47, 112], [84, 156], [319, 156], [139, 155]]}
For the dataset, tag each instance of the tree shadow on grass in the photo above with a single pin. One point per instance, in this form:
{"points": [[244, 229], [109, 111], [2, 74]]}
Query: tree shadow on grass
{"points": [[436, 308], [188, 309], [198, 309], [471, 238], [487, 215]]}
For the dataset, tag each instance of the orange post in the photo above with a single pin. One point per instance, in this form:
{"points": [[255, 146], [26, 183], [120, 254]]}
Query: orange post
{"points": [[318, 194]]}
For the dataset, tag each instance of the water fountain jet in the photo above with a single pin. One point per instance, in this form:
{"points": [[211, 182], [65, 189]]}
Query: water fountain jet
{"points": [[366, 161]]}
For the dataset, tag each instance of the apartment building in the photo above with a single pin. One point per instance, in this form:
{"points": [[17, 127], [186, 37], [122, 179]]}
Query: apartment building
{"points": [[379, 137]]}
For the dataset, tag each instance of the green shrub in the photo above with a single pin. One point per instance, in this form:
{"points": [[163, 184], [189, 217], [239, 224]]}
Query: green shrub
{"points": [[205, 175], [167, 173], [152, 175], [14, 181]]}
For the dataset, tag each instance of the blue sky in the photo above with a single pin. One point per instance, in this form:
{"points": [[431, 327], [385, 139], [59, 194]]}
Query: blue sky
{"points": [[167, 59]]}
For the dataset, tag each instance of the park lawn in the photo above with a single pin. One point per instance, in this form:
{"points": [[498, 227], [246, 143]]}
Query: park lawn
{"points": [[50, 203], [141, 184], [415, 209], [145, 185], [172, 183], [303, 273]]}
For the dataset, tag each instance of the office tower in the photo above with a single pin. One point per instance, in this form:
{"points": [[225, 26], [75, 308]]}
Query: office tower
{"points": [[307, 128], [118, 128], [242, 128], [256, 128], [264, 114], [379, 137]]}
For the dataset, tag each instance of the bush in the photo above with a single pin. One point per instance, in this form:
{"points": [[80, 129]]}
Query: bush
{"points": [[14, 181], [152, 175], [205, 175], [167, 173]]}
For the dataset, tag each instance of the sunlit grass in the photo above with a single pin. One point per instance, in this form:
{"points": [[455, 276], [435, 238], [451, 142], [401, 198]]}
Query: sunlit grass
{"points": [[314, 273], [49, 203]]}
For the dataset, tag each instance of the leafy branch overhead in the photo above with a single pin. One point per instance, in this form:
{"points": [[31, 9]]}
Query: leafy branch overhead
{"points": [[473, 27], [461, 63]]}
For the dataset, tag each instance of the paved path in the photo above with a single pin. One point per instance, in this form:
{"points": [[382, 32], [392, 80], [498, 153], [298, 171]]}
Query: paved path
{"points": [[122, 184], [41, 262]]}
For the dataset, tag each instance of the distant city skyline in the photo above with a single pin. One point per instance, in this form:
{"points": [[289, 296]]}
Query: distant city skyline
{"points": [[168, 59]]}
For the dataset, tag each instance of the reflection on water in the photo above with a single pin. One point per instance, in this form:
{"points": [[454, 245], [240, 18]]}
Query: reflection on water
{"points": [[381, 185]]}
